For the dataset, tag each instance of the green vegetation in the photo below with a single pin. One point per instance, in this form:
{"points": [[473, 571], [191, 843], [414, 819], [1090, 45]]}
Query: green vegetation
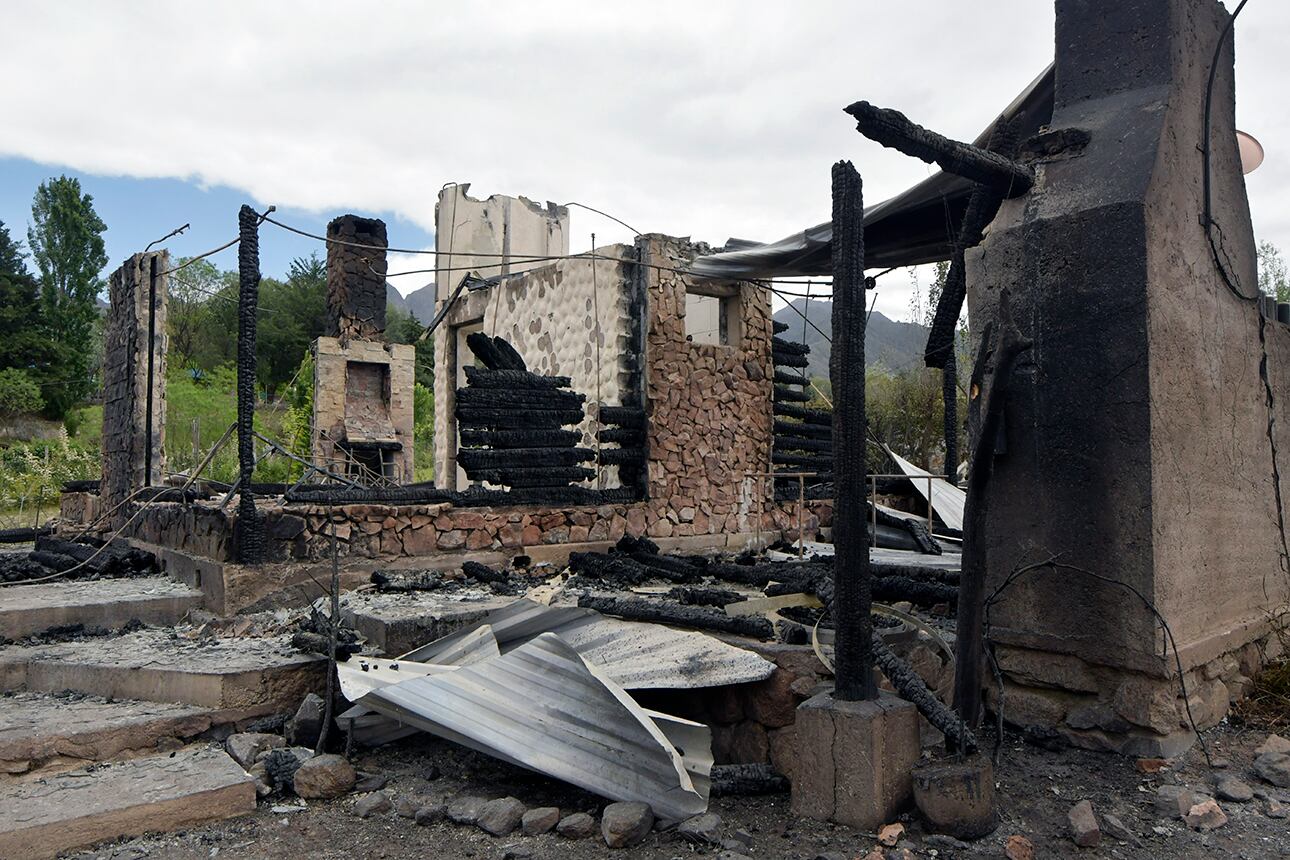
{"points": [[32, 475], [19, 393]]}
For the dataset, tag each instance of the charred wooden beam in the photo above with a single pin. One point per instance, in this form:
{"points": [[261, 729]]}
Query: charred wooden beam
{"points": [[623, 416], [500, 398], [516, 419], [521, 458], [621, 436], [544, 439], [494, 352], [950, 412], [662, 612], [779, 327], [482, 572], [788, 395], [802, 443], [692, 596], [818, 431], [535, 476], [911, 688], [893, 129], [249, 533], [745, 780], [621, 456], [853, 648], [809, 416], [788, 359], [789, 347], [482, 377], [783, 377]]}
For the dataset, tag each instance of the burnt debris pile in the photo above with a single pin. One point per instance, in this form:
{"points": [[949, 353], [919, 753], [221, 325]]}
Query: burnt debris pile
{"points": [[90, 559], [803, 436]]}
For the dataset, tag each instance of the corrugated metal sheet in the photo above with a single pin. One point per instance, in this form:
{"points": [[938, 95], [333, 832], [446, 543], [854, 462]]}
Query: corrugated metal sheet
{"points": [[543, 707], [946, 499], [637, 656]]}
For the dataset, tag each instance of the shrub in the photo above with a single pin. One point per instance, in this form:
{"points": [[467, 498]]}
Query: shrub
{"points": [[19, 393]]}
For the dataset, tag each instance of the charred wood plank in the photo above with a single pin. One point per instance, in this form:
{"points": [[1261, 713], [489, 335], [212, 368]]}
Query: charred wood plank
{"points": [[789, 347], [662, 612], [745, 780], [620, 456], [801, 428], [788, 359], [494, 352], [521, 458], [23, 535], [501, 398], [783, 394], [780, 327], [515, 419], [893, 129], [783, 377], [482, 572], [482, 377], [802, 443], [809, 416], [691, 596], [511, 439], [621, 436], [537, 476], [623, 416]]}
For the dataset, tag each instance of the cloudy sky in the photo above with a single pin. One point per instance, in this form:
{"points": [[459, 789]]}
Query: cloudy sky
{"points": [[708, 119]]}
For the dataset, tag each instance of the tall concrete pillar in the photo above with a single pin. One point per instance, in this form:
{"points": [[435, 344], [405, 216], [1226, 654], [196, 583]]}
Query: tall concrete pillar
{"points": [[1136, 435], [134, 362]]}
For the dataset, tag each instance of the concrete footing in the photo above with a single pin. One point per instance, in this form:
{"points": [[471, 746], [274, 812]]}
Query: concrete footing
{"points": [[98, 605], [956, 797], [855, 759]]}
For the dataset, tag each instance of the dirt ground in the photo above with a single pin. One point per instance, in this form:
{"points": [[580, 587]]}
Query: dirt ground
{"points": [[1036, 788]]}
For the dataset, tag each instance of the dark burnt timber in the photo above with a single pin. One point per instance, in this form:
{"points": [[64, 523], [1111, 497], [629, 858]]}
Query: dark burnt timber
{"points": [[623, 416], [745, 780], [621, 435], [854, 645], [248, 533], [691, 596], [482, 377], [494, 357], [816, 431], [662, 612], [788, 394], [783, 377], [810, 416], [893, 129], [622, 456], [519, 458], [911, 687], [544, 439], [500, 398], [968, 646], [515, 418]]}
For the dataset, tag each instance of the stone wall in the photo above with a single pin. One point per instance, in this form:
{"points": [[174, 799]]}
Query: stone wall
{"points": [[125, 378], [1137, 425], [708, 406]]}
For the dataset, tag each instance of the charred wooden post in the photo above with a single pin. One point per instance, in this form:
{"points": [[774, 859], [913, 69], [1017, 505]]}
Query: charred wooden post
{"points": [[249, 536], [854, 649], [969, 645], [893, 129], [950, 406], [662, 612]]}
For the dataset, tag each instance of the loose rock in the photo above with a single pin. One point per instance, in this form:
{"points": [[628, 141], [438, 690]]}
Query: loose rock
{"points": [[1083, 825], [1274, 767], [1173, 801], [263, 785], [1231, 788], [1019, 848], [1115, 828], [1150, 765], [373, 804], [1205, 816], [540, 820], [245, 747], [370, 782], [323, 777], [1276, 809], [465, 809], [579, 825], [701, 829], [1272, 744], [889, 834], [406, 805], [500, 817], [431, 813], [625, 824], [516, 852], [302, 730]]}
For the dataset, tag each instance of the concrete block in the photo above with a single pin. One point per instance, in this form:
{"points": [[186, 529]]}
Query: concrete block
{"points": [[156, 793], [855, 759]]}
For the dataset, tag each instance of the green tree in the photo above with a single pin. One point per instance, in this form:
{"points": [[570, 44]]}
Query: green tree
{"points": [[292, 315], [23, 343], [1273, 278], [66, 244], [404, 327], [193, 290]]}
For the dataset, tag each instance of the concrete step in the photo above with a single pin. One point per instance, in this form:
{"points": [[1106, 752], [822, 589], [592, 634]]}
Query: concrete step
{"points": [[158, 793], [250, 675], [49, 731], [98, 605]]}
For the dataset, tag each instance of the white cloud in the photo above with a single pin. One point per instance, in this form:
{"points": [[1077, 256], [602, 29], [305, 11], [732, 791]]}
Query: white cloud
{"points": [[711, 119]]}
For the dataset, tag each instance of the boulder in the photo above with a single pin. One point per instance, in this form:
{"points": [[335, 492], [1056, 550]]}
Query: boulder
{"points": [[1019, 847], [500, 817], [245, 747], [374, 803], [1274, 744], [541, 820], [626, 823], [431, 813], [579, 825], [323, 777], [1206, 815], [1233, 789]]}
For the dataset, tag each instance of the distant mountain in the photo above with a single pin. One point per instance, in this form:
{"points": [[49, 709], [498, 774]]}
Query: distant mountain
{"points": [[893, 345], [421, 302], [393, 297]]}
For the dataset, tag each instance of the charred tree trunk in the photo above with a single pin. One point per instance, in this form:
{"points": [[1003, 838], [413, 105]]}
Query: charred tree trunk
{"points": [[249, 533]]}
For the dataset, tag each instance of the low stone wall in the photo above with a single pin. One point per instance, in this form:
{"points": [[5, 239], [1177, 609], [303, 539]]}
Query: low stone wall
{"points": [[303, 532]]}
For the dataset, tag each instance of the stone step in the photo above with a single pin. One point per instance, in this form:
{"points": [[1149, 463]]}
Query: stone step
{"points": [[157, 793], [251, 675], [98, 605], [48, 731]]}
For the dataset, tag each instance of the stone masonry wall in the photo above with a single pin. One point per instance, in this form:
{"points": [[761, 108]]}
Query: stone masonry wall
{"points": [[336, 418], [125, 378]]}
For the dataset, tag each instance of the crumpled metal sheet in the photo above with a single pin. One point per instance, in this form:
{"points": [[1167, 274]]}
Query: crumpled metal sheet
{"points": [[946, 499], [636, 655], [543, 707]]}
